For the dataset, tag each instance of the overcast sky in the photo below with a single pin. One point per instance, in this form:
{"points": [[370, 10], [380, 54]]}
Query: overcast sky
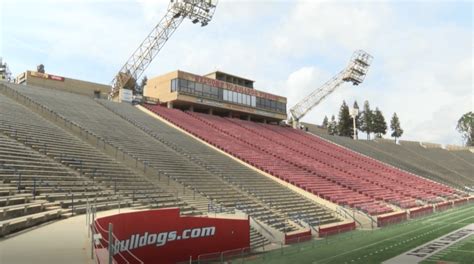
{"points": [[422, 66]]}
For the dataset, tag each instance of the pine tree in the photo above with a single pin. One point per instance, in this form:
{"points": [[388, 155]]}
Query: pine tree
{"points": [[325, 122], [397, 131], [380, 126], [332, 126], [366, 120], [344, 126]]}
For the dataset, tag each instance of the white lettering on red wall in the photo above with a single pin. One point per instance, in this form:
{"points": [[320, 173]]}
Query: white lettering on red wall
{"points": [[160, 239]]}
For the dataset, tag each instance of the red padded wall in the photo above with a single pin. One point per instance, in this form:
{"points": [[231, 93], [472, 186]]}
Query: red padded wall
{"points": [[168, 247]]}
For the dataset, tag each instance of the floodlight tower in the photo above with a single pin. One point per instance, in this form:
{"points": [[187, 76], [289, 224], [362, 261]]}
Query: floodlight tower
{"points": [[355, 73], [5, 73], [198, 11]]}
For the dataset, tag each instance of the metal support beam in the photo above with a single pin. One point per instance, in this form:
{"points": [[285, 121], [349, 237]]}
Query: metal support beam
{"points": [[196, 10]]}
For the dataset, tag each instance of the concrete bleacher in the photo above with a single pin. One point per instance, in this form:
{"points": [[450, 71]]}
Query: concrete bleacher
{"points": [[112, 129], [68, 150], [449, 167], [47, 173], [464, 155], [461, 171], [277, 196], [311, 163], [35, 189]]}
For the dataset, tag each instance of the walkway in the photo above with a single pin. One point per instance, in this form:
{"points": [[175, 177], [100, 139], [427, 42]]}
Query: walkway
{"points": [[63, 241]]}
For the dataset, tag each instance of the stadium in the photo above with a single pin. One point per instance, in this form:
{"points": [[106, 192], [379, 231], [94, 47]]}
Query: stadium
{"points": [[210, 169]]}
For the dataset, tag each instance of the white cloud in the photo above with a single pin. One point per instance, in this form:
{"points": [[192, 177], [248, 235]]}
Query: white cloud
{"points": [[329, 27], [423, 73], [302, 82], [422, 70], [153, 10]]}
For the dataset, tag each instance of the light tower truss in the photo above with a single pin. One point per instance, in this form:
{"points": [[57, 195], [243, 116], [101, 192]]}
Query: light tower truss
{"points": [[198, 11], [355, 72]]}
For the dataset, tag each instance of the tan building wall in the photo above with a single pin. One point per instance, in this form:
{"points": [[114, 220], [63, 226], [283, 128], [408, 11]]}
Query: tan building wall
{"points": [[160, 88], [64, 84]]}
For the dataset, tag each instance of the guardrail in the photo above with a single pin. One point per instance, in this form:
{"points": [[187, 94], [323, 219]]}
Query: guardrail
{"points": [[103, 249], [224, 256], [347, 214]]}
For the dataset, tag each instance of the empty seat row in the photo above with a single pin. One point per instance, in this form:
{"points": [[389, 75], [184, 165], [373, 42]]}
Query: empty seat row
{"points": [[277, 196], [114, 130], [313, 164]]}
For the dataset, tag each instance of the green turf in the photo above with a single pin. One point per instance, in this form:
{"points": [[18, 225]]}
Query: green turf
{"points": [[461, 252], [372, 246]]}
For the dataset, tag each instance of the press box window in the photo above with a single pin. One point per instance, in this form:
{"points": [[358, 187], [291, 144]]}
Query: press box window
{"points": [[198, 88], [174, 85]]}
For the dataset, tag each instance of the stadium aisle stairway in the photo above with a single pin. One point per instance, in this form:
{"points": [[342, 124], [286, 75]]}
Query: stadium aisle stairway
{"points": [[292, 204], [313, 164], [91, 116]]}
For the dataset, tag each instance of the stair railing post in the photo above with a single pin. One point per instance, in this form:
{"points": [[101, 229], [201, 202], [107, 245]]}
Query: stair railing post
{"points": [[19, 182], [34, 188], [80, 163], [111, 242]]}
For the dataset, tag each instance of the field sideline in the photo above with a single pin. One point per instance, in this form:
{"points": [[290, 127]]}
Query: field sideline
{"points": [[461, 252], [373, 246]]}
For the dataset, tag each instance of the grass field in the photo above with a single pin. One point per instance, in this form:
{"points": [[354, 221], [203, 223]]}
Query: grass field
{"points": [[461, 252], [377, 245]]}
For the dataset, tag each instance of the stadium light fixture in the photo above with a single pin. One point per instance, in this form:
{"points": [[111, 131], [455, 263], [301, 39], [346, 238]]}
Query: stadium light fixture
{"points": [[198, 11], [355, 73]]}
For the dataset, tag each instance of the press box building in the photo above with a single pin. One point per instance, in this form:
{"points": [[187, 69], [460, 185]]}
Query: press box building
{"points": [[217, 93]]}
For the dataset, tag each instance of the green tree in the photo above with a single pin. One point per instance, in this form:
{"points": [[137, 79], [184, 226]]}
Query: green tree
{"points": [[344, 126], [139, 88], [465, 126], [397, 130], [332, 126], [380, 126], [325, 122], [366, 120]]}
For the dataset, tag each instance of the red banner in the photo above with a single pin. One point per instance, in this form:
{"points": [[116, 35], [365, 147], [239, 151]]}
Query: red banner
{"points": [[298, 237], [163, 236], [336, 229], [421, 212], [461, 201], [47, 76], [444, 206], [391, 219]]}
